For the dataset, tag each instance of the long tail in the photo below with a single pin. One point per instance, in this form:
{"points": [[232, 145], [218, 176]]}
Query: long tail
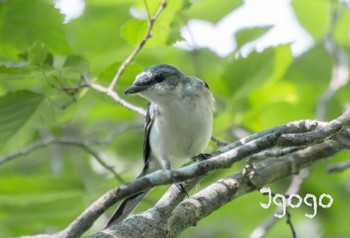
{"points": [[126, 207], [129, 204]]}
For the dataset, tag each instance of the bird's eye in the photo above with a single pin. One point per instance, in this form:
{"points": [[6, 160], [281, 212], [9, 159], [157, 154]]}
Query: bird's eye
{"points": [[159, 78], [205, 84]]}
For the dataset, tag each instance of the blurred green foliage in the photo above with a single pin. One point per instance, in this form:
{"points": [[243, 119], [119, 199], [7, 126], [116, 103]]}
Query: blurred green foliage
{"points": [[40, 57]]}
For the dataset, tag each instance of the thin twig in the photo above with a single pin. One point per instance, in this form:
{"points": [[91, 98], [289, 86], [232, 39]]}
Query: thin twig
{"points": [[102, 162], [85, 144], [138, 47], [335, 168], [62, 141], [25, 151], [275, 152], [293, 188], [71, 90], [218, 142], [148, 12], [115, 96], [87, 83], [290, 224], [340, 70]]}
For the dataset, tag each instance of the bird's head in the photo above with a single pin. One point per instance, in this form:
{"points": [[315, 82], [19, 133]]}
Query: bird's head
{"points": [[157, 79], [165, 85]]}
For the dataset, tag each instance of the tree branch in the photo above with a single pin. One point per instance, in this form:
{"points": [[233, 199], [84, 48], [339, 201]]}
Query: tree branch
{"points": [[203, 203], [115, 96], [62, 141], [339, 167], [264, 172], [83, 144], [218, 142]]}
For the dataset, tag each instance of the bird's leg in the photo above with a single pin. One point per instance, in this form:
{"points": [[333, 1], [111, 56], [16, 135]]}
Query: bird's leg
{"points": [[166, 165], [198, 157]]}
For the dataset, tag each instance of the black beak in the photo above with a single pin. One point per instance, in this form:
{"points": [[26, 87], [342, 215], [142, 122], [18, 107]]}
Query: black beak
{"points": [[135, 89]]}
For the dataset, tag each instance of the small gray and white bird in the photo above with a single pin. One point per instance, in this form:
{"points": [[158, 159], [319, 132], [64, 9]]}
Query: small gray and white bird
{"points": [[178, 123]]}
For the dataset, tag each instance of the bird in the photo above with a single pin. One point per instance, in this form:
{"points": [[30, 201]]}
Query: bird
{"points": [[178, 127]]}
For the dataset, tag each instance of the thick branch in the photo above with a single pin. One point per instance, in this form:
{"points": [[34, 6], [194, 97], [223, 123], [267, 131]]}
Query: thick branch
{"points": [[203, 203], [225, 157]]}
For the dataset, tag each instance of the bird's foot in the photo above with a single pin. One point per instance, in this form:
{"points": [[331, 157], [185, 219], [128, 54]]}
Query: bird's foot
{"points": [[201, 157], [182, 188]]}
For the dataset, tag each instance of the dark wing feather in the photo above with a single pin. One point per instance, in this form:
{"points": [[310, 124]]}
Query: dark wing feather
{"points": [[146, 146], [128, 204]]}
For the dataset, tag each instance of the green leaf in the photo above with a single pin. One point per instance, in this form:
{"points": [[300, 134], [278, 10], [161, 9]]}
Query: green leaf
{"points": [[209, 10], [244, 75], [280, 98], [36, 63], [12, 185], [342, 28], [313, 16], [250, 84], [247, 35], [310, 81], [135, 30], [21, 113], [73, 67], [15, 71], [100, 42], [38, 202], [76, 63], [23, 22], [37, 54], [126, 78]]}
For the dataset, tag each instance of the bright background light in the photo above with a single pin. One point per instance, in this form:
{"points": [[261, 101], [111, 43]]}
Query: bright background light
{"points": [[70, 8], [253, 13], [219, 37]]}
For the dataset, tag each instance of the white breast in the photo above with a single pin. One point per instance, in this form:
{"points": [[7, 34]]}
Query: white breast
{"points": [[182, 129]]}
